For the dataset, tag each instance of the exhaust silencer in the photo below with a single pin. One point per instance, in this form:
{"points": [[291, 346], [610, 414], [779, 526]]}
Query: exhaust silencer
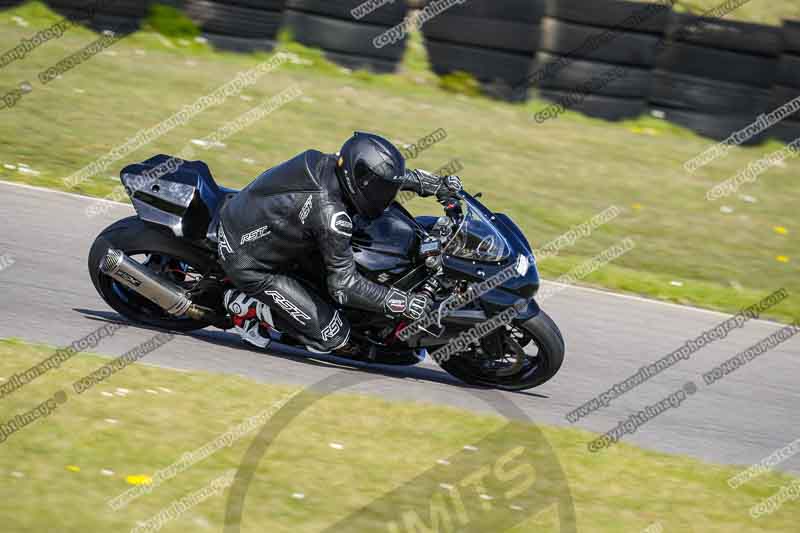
{"points": [[143, 281]]}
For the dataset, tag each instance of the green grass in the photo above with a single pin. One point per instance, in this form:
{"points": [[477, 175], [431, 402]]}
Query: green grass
{"points": [[548, 177], [762, 12], [757, 11], [52, 480], [170, 21]]}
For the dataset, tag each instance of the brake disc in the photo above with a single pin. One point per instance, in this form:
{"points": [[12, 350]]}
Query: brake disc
{"points": [[518, 357], [501, 353]]}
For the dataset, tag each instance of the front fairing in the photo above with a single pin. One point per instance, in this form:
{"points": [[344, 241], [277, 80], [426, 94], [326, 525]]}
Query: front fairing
{"points": [[473, 270]]}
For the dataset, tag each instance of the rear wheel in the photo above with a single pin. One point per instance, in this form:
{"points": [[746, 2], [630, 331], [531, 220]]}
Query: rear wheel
{"points": [[163, 253], [501, 361]]}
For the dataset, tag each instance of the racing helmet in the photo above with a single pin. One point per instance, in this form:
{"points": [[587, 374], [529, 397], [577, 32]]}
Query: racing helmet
{"points": [[370, 170]]}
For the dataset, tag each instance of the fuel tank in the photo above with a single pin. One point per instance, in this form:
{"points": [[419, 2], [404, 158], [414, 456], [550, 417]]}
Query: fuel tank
{"points": [[385, 249]]}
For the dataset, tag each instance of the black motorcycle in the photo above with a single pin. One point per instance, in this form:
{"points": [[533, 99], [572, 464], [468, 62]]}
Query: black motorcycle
{"points": [[160, 268]]}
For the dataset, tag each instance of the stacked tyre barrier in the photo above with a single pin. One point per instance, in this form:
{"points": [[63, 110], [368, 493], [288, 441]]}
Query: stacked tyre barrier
{"points": [[493, 41], [787, 83], [714, 76], [609, 59], [121, 16], [237, 25], [346, 40], [598, 57]]}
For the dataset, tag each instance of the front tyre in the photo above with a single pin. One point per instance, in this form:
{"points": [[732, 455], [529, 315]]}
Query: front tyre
{"points": [[501, 361]]}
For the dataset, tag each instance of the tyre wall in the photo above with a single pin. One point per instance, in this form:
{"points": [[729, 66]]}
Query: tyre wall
{"points": [[715, 76], [345, 39], [603, 52], [623, 58], [495, 42]]}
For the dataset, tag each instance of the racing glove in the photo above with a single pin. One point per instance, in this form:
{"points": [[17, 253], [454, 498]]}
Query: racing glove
{"points": [[426, 184], [449, 187], [409, 305]]}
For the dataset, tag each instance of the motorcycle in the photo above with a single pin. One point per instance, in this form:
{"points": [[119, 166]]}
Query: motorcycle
{"points": [[161, 268]]}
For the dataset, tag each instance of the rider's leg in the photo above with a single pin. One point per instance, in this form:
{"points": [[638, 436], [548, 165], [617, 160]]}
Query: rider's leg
{"points": [[315, 322], [247, 274]]}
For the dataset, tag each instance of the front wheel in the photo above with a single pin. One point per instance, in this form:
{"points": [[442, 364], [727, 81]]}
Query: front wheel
{"points": [[500, 360]]}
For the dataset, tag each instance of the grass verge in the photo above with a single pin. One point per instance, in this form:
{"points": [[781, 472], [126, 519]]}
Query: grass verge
{"points": [[59, 472]]}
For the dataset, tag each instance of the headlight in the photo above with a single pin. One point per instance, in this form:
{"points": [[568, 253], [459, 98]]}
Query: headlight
{"points": [[522, 265]]}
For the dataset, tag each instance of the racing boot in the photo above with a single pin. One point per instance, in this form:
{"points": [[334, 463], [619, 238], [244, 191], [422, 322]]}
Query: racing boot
{"points": [[252, 319]]}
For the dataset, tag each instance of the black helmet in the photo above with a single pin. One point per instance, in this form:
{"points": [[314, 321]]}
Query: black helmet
{"points": [[370, 170]]}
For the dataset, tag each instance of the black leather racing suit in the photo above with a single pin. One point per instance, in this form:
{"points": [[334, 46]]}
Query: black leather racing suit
{"points": [[287, 212]]}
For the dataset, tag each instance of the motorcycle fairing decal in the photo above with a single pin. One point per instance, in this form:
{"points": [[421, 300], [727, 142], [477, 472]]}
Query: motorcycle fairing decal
{"points": [[333, 328], [288, 306], [342, 223], [306, 209]]}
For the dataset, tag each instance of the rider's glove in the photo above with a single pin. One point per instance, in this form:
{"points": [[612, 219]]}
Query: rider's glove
{"points": [[418, 305], [411, 306], [426, 184], [448, 188]]}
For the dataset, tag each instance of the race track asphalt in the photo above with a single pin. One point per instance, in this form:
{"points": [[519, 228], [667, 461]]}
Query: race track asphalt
{"points": [[46, 296]]}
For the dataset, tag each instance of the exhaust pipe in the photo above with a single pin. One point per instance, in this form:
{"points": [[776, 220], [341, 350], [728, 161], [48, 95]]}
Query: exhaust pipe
{"points": [[143, 281]]}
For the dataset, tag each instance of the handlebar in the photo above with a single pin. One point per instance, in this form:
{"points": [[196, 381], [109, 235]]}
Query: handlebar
{"points": [[453, 207]]}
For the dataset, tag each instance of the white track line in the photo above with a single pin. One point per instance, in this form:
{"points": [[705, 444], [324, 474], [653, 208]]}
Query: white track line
{"points": [[63, 193], [574, 287], [660, 302]]}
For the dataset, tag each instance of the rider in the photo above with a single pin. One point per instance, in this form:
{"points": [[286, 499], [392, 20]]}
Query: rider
{"points": [[307, 204]]}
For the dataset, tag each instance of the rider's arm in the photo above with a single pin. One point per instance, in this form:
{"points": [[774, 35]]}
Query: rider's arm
{"points": [[346, 286], [426, 184]]}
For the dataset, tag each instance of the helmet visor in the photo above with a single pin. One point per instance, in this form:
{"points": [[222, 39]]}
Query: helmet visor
{"points": [[376, 191]]}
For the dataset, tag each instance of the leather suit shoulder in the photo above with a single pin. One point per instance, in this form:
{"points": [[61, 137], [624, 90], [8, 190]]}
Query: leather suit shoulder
{"points": [[301, 173]]}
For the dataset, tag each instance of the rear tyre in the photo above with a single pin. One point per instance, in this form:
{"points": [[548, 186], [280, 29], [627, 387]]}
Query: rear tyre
{"points": [[139, 239], [529, 370]]}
